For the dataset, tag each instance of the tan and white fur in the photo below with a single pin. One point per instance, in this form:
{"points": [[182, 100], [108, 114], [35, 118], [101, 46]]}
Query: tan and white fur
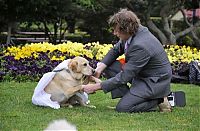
{"points": [[66, 83]]}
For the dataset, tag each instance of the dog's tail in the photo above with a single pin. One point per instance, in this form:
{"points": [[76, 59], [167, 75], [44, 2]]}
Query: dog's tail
{"points": [[63, 125]]}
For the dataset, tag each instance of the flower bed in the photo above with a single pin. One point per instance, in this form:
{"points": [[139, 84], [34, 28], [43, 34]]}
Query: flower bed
{"points": [[31, 61]]}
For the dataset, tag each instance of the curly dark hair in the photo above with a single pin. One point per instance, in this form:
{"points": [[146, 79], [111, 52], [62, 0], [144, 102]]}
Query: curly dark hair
{"points": [[127, 21]]}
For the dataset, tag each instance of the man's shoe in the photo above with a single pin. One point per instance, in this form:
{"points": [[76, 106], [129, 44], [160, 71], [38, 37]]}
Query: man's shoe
{"points": [[165, 106]]}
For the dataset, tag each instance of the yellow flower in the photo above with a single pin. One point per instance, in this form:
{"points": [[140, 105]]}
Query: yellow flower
{"points": [[35, 55], [91, 50]]}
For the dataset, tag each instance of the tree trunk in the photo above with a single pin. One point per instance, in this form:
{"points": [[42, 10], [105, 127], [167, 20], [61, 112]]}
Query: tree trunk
{"points": [[191, 29], [188, 30], [159, 33], [196, 39], [62, 35], [170, 36], [55, 33], [9, 34], [164, 13], [71, 25], [60, 31], [156, 30], [47, 31]]}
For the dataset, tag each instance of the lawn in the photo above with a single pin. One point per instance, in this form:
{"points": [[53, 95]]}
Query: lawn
{"points": [[19, 114]]}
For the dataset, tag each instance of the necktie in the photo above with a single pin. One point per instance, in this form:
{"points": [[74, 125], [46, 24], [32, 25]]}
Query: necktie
{"points": [[126, 47]]}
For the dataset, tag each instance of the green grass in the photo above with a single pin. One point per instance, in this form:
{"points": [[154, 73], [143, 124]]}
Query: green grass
{"points": [[19, 114]]}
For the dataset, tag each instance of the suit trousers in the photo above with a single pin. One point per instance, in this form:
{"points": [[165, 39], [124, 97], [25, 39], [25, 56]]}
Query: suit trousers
{"points": [[129, 102]]}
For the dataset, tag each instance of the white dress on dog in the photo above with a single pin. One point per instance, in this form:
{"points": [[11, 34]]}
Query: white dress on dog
{"points": [[41, 98]]}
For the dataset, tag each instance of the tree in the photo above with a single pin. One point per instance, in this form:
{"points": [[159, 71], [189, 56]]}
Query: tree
{"points": [[10, 12], [13, 11], [49, 12], [94, 16], [166, 8], [53, 12]]}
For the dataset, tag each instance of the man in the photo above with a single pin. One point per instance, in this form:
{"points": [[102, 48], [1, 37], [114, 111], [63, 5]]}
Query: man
{"points": [[147, 67]]}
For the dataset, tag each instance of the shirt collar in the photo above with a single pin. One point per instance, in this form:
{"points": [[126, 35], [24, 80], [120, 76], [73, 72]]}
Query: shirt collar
{"points": [[129, 40]]}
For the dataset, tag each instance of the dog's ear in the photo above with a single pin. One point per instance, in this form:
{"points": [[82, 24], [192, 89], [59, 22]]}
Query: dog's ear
{"points": [[73, 65]]}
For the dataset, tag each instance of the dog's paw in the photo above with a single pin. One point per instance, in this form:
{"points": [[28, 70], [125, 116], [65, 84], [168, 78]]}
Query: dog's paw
{"points": [[91, 106], [95, 80], [111, 107], [70, 106], [67, 105], [81, 89]]}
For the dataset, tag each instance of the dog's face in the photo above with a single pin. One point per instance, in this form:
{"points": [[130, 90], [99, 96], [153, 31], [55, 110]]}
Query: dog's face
{"points": [[81, 66]]}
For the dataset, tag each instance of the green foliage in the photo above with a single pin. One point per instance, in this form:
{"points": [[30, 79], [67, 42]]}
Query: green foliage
{"points": [[18, 113], [32, 26], [192, 4], [92, 4], [187, 40], [198, 32], [60, 15], [86, 3]]}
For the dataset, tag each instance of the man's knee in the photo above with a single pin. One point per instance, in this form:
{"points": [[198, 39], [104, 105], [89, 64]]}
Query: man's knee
{"points": [[142, 107], [122, 108]]}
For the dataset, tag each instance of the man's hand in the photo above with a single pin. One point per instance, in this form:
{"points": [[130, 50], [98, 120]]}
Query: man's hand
{"points": [[99, 69], [91, 88]]}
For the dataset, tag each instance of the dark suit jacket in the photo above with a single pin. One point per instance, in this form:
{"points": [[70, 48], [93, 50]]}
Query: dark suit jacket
{"points": [[147, 66]]}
